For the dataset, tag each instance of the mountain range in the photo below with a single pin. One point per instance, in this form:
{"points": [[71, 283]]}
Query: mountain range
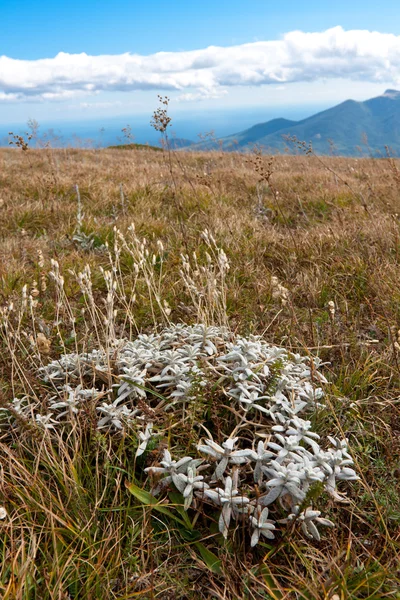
{"points": [[348, 129]]}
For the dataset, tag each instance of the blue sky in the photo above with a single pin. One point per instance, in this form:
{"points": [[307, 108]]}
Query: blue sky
{"points": [[241, 78], [37, 29]]}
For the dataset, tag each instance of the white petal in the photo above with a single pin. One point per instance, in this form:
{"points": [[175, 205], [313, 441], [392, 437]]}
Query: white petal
{"points": [[254, 538], [313, 530]]}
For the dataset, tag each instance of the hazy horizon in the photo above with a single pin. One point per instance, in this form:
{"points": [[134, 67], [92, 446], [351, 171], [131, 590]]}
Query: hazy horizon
{"points": [[185, 124]]}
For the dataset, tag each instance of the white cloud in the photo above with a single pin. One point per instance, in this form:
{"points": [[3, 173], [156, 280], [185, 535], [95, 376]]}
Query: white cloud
{"points": [[202, 94], [297, 57], [9, 97], [97, 105]]}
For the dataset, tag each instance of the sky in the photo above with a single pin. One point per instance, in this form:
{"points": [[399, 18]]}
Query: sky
{"points": [[70, 61]]}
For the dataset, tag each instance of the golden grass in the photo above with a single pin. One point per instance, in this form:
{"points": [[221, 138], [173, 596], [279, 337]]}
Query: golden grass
{"points": [[330, 234]]}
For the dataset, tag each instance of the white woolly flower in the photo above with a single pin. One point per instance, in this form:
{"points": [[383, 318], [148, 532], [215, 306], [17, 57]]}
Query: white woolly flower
{"points": [[144, 437], [261, 525], [72, 399], [261, 457], [224, 454], [230, 501], [20, 405], [309, 519], [173, 469], [45, 421], [269, 391], [114, 415], [192, 483], [284, 479]]}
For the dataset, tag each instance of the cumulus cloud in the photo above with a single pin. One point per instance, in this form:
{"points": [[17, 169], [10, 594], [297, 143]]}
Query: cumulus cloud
{"points": [[94, 105], [202, 94], [298, 56]]}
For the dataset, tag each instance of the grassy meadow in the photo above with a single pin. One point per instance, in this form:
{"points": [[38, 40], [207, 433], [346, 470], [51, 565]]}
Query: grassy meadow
{"points": [[314, 252]]}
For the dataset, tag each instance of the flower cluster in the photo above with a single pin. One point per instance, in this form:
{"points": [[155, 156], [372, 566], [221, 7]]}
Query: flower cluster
{"points": [[266, 459]]}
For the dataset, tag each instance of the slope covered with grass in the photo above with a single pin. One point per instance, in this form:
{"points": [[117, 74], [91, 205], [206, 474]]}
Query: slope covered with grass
{"points": [[134, 356]]}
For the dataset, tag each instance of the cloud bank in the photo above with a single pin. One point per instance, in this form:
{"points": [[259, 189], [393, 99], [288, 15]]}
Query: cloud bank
{"points": [[297, 57]]}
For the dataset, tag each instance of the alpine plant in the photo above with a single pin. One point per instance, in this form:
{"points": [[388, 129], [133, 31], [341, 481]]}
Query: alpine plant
{"points": [[266, 460]]}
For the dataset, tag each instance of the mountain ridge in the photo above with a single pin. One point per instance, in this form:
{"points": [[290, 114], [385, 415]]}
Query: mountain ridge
{"points": [[349, 128]]}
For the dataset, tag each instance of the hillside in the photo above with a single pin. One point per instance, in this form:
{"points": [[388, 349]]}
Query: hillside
{"points": [[255, 133], [98, 246], [348, 129]]}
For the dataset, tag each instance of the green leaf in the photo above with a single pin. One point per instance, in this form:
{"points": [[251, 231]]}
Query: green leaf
{"points": [[271, 585], [177, 500], [148, 500], [190, 535], [211, 560], [141, 495], [143, 387]]}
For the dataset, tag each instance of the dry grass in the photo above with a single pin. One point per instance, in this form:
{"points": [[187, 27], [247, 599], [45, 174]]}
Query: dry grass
{"points": [[330, 234]]}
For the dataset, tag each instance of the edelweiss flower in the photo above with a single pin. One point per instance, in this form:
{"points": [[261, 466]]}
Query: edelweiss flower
{"points": [[339, 460], [261, 525], [308, 518], [114, 415], [254, 375], [225, 454], [311, 472], [145, 438], [301, 429], [309, 393], [229, 500], [19, 405], [261, 458], [286, 479], [249, 395], [73, 398], [192, 483], [133, 382], [281, 409], [45, 421], [173, 469], [289, 448]]}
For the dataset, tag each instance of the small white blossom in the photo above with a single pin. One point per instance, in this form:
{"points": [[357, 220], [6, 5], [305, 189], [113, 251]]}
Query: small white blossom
{"points": [[262, 457], [230, 501], [45, 421], [269, 391], [192, 483], [308, 520], [114, 415], [285, 479], [224, 454], [261, 525], [173, 469], [145, 438]]}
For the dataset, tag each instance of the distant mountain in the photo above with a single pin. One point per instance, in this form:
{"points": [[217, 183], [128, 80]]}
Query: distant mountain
{"points": [[257, 132], [348, 129], [135, 147], [176, 143]]}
